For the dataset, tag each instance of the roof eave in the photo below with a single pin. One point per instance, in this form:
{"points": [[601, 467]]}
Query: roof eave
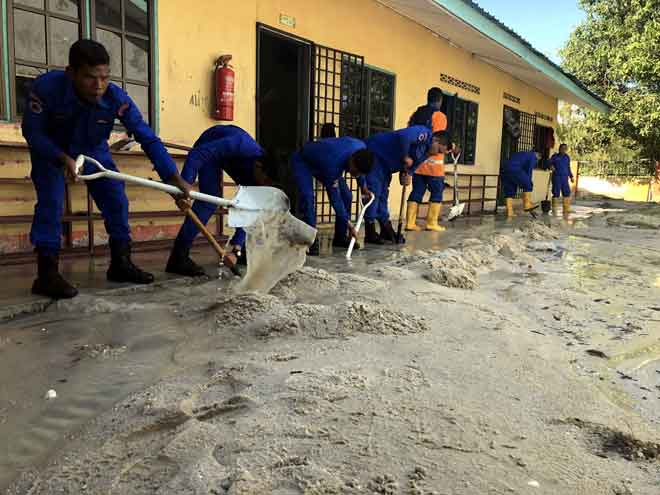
{"points": [[478, 19]]}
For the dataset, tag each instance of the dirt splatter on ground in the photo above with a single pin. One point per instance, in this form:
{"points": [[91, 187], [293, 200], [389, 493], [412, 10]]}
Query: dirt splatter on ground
{"points": [[98, 351], [413, 387], [643, 218]]}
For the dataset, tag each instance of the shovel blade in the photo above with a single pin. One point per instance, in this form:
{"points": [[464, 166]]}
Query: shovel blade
{"points": [[261, 198], [456, 211]]}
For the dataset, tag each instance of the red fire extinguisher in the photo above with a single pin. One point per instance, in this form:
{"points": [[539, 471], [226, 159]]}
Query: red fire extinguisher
{"points": [[224, 89]]}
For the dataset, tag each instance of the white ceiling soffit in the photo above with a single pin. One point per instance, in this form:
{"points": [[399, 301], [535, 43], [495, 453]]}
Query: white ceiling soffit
{"points": [[438, 20]]}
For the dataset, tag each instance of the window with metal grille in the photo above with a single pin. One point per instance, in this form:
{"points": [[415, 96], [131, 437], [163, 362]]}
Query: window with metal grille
{"points": [[124, 28], [338, 79], [379, 91], [462, 123], [43, 31]]}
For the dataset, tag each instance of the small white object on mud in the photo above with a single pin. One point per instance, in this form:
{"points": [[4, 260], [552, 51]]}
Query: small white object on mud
{"points": [[534, 484], [50, 395]]}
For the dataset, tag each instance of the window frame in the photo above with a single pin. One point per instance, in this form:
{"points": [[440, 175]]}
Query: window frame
{"points": [[11, 106], [369, 72], [86, 17], [124, 33], [462, 140]]}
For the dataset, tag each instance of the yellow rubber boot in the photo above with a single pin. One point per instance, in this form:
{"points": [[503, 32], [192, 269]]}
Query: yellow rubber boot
{"points": [[411, 217], [555, 205], [567, 206], [509, 208], [527, 202], [432, 218]]}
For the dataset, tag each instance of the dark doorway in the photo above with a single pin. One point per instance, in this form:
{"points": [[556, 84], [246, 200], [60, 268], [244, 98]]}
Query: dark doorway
{"points": [[283, 85], [518, 134]]}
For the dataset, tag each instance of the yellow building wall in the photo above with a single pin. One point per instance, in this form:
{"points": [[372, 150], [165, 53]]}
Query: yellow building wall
{"points": [[192, 34], [189, 44]]}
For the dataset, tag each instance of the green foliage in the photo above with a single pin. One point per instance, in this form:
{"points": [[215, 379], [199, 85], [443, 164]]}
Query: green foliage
{"points": [[615, 52]]}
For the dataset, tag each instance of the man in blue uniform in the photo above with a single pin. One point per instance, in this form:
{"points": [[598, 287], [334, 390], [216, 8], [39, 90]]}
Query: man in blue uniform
{"points": [[517, 172], [327, 160], [398, 151], [73, 112], [228, 148], [561, 173]]}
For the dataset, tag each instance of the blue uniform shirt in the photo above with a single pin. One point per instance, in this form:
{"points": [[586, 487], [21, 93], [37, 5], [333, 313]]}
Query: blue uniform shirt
{"points": [[562, 165], [56, 121], [327, 159], [392, 147], [227, 147], [522, 161]]}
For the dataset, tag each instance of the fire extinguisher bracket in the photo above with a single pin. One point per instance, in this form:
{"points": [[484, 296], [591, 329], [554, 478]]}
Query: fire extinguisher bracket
{"points": [[224, 89]]}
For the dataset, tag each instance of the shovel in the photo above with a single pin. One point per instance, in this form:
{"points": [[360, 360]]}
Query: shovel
{"points": [[456, 210], [244, 209], [209, 237], [546, 206], [399, 228], [358, 225]]}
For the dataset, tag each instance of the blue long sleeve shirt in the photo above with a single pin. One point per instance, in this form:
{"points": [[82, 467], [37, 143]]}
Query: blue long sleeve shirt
{"points": [[393, 147], [327, 160], [227, 147], [56, 121], [562, 165], [524, 161]]}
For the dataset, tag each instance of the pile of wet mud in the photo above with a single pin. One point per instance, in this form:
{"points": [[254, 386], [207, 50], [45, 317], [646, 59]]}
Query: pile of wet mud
{"points": [[459, 266], [267, 316], [315, 284]]}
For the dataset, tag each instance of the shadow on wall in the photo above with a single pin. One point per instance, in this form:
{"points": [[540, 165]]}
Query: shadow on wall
{"points": [[636, 189]]}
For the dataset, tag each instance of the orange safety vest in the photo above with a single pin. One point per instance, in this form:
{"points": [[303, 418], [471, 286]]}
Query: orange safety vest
{"points": [[433, 166]]}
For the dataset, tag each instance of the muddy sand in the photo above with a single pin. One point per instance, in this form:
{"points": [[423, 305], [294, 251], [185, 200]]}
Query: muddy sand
{"points": [[524, 358]]}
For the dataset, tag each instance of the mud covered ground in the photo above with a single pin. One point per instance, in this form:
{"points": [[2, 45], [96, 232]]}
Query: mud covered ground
{"points": [[524, 358]]}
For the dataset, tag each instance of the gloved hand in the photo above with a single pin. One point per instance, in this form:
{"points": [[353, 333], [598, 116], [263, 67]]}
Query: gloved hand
{"points": [[352, 232]]}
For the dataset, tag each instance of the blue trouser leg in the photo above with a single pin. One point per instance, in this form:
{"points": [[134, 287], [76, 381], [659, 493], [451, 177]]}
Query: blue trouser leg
{"points": [[341, 225], [110, 197], [556, 186], [383, 213], [46, 232], [418, 188], [437, 187], [239, 238], [560, 186], [304, 181], [209, 183], [512, 180]]}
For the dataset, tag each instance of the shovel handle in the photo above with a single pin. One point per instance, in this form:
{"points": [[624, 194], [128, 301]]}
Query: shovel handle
{"points": [[209, 237], [202, 228], [358, 225], [152, 184]]}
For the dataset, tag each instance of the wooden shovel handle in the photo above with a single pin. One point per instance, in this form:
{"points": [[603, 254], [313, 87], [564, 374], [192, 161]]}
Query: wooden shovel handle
{"points": [[202, 228]]}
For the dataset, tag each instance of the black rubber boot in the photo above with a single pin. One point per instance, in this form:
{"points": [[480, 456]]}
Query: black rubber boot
{"points": [[181, 264], [49, 282], [343, 242], [241, 259], [370, 234], [388, 234], [314, 249], [122, 268]]}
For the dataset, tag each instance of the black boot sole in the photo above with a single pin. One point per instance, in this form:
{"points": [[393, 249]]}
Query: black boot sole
{"points": [[122, 279], [38, 291]]}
